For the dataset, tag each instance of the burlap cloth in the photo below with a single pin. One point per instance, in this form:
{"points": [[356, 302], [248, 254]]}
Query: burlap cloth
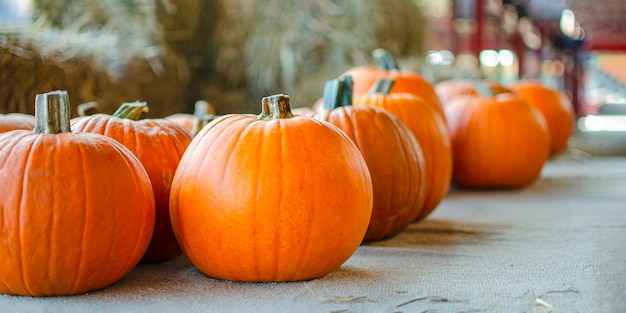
{"points": [[558, 245]]}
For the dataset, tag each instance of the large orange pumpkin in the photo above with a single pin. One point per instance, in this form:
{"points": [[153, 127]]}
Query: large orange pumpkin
{"points": [[159, 145], [77, 209], [13, 121], [274, 197], [556, 108], [499, 141], [405, 81], [393, 156], [431, 132]]}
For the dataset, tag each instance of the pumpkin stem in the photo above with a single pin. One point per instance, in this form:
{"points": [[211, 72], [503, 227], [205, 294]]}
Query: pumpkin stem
{"points": [[131, 110], [386, 60], [338, 93], [483, 89], [382, 85], [265, 109], [202, 116], [52, 112], [274, 107], [201, 108], [87, 108]]}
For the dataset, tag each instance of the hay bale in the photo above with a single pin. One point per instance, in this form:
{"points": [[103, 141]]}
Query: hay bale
{"points": [[293, 47], [123, 59], [27, 72], [171, 53]]}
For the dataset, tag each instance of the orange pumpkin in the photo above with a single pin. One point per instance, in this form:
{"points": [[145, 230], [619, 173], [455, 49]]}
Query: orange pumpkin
{"points": [[203, 113], [452, 88], [274, 197], [305, 111], [13, 121], [431, 132], [159, 145], [77, 209], [405, 81], [555, 107], [393, 156], [499, 141]]}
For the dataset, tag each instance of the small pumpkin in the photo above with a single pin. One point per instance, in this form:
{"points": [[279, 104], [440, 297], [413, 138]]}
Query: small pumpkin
{"points": [[391, 152], [499, 141], [556, 108], [203, 113], [159, 145], [77, 209], [430, 130], [452, 88], [405, 81], [274, 197], [13, 121]]}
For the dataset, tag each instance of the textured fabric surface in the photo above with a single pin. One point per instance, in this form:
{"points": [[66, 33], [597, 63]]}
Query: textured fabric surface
{"points": [[558, 245]]}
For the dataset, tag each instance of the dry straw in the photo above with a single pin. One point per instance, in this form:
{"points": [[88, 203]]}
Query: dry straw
{"points": [[171, 53]]}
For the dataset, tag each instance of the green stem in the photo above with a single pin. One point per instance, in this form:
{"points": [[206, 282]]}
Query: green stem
{"points": [[131, 110], [386, 60], [201, 108], [338, 93], [275, 107], [382, 85], [52, 112]]}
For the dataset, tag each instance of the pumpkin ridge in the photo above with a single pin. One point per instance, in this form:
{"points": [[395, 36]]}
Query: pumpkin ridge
{"points": [[392, 194], [259, 181], [303, 140], [143, 221], [7, 150], [19, 213], [281, 199], [116, 223], [79, 271]]}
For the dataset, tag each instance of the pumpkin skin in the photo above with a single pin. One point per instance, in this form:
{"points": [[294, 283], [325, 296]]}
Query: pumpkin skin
{"points": [[13, 121], [498, 142], [405, 81], [271, 198], [395, 161], [159, 144], [452, 88], [393, 157], [555, 107], [432, 134], [77, 212]]}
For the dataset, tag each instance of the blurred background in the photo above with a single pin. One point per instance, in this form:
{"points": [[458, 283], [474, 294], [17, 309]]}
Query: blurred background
{"points": [[171, 53]]}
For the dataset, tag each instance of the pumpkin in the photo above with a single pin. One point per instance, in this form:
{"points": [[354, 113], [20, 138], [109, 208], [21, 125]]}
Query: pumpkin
{"points": [[452, 88], [499, 141], [77, 209], [159, 145], [13, 121], [430, 130], [405, 81], [273, 197], [305, 111], [556, 108], [203, 114], [391, 152]]}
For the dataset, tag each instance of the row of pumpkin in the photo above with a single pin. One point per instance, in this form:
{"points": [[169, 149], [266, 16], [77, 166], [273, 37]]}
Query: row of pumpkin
{"points": [[282, 196]]}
